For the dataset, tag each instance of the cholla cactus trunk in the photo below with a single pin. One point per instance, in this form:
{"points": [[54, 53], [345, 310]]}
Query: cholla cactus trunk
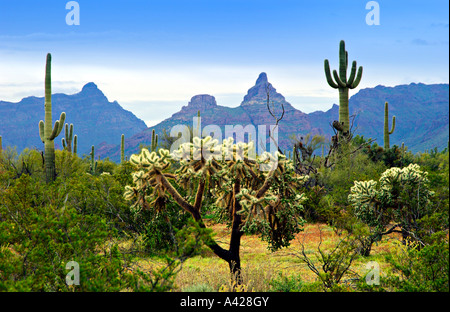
{"points": [[343, 84], [48, 132], [247, 195], [387, 133], [122, 149]]}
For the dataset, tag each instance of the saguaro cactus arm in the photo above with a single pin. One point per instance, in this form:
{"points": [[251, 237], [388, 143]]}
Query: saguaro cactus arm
{"points": [[75, 144], [393, 125], [328, 75], [41, 131], [357, 80], [58, 126]]}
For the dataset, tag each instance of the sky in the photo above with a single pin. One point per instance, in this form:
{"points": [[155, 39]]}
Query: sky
{"points": [[153, 56]]}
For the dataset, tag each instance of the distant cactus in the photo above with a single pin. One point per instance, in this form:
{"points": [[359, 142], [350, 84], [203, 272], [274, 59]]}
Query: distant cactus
{"points": [[343, 84], [387, 133], [122, 149], [1, 148], [46, 131], [93, 167], [69, 139], [154, 144]]}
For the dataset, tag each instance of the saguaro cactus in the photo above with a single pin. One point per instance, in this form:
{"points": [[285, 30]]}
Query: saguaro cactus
{"points": [[154, 141], [46, 131], [93, 166], [387, 133], [343, 84], [69, 138], [122, 149]]}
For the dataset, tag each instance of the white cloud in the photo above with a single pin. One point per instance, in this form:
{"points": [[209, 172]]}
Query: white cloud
{"points": [[154, 92]]}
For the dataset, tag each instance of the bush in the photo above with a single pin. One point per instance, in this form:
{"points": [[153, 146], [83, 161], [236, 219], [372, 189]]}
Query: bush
{"points": [[283, 283], [350, 165], [41, 233], [421, 270]]}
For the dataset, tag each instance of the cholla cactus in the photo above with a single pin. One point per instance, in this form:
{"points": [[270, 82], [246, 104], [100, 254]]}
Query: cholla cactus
{"points": [[252, 200], [398, 200]]}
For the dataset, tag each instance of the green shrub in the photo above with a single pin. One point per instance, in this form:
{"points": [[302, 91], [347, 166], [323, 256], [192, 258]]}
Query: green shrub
{"points": [[283, 283], [420, 270], [40, 233]]}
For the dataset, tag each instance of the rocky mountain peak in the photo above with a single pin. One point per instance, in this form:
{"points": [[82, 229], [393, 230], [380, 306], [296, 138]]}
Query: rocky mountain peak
{"points": [[258, 93], [202, 102], [262, 79], [91, 89]]}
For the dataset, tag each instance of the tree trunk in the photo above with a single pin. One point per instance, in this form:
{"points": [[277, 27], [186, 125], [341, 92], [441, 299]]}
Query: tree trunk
{"points": [[236, 234]]}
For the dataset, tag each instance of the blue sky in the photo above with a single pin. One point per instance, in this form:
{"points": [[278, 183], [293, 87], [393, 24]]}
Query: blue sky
{"points": [[153, 56]]}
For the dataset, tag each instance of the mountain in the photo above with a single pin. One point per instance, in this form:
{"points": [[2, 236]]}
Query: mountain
{"points": [[96, 120], [422, 116]]}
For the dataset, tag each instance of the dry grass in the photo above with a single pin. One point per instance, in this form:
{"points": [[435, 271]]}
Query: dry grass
{"points": [[259, 264]]}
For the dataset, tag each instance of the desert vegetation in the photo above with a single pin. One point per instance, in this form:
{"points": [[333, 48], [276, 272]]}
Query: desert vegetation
{"points": [[217, 216]]}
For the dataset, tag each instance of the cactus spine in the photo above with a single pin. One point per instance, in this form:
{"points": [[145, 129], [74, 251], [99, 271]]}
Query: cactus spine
{"points": [[46, 131], [69, 139], [387, 133], [122, 149], [343, 84]]}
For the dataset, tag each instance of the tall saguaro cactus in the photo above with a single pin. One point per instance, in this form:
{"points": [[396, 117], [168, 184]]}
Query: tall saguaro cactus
{"points": [[46, 131], [387, 133], [343, 84]]}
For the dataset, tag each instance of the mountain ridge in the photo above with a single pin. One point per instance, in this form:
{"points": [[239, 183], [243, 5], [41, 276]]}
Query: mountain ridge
{"points": [[421, 123], [95, 119], [368, 122]]}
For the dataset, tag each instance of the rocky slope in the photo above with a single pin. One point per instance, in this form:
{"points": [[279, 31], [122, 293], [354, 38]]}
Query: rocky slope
{"points": [[96, 120], [422, 116]]}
